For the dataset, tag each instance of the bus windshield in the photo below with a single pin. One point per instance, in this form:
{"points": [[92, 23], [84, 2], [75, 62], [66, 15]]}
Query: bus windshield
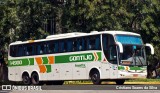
{"points": [[133, 55], [133, 50]]}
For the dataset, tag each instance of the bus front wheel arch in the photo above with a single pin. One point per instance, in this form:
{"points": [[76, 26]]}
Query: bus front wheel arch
{"points": [[26, 79], [95, 76]]}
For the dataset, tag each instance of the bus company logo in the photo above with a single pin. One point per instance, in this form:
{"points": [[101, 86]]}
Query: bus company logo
{"points": [[127, 68], [80, 65], [16, 62], [80, 58]]}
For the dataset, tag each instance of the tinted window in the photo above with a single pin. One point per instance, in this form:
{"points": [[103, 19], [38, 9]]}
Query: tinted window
{"points": [[57, 46], [109, 48]]}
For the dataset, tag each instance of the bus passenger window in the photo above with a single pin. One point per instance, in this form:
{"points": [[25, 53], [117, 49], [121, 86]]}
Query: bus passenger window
{"points": [[20, 51], [74, 45], [61, 46], [40, 49], [79, 44], [65, 46], [69, 45], [92, 43], [51, 47], [56, 47], [29, 50], [13, 51], [97, 43], [48, 50], [84, 45]]}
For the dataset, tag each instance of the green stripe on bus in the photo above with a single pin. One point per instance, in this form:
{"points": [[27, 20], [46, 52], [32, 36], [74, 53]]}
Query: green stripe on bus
{"points": [[137, 68], [45, 60], [121, 68], [18, 62], [99, 55], [85, 57], [31, 61], [48, 68], [131, 68]]}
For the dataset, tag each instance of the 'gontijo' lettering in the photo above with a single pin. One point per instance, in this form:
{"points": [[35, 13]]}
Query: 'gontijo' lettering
{"points": [[80, 58]]}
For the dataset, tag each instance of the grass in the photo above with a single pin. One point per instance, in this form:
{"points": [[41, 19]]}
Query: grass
{"points": [[143, 80], [132, 81]]}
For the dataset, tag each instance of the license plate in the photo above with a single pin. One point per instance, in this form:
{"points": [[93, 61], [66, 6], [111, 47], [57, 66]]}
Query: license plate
{"points": [[135, 75]]}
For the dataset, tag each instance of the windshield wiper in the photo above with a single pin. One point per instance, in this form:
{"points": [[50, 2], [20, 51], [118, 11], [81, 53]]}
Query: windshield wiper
{"points": [[140, 60], [133, 58]]}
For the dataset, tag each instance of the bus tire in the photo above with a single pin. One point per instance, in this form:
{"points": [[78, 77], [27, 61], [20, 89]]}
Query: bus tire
{"points": [[120, 82], [26, 79], [35, 78], [95, 77]]}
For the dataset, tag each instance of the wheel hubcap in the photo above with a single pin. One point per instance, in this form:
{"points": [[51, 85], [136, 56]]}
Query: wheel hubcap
{"points": [[94, 77], [35, 79], [25, 79]]}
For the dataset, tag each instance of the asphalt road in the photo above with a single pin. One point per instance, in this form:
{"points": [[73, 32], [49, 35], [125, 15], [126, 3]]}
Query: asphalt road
{"points": [[85, 89]]}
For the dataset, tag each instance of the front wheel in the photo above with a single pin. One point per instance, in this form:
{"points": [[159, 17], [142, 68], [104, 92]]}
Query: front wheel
{"points": [[95, 77], [120, 82]]}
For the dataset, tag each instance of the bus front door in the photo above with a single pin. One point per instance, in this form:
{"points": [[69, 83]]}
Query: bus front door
{"points": [[113, 61]]}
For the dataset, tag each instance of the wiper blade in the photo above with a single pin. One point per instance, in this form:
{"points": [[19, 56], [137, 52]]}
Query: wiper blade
{"points": [[140, 60]]}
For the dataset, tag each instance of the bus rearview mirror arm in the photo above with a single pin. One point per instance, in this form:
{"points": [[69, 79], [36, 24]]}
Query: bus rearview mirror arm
{"points": [[120, 47], [151, 47]]}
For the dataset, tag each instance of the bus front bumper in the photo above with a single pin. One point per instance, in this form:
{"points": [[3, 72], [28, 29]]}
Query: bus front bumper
{"points": [[127, 75]]}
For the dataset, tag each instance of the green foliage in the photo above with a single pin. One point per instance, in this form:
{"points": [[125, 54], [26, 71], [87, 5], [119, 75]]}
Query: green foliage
{"points": [[143, 80]]}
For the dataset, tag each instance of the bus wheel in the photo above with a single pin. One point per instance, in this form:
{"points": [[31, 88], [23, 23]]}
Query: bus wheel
{"points": [[26, 79], [120, 82], [35, 78], [95, 77]]}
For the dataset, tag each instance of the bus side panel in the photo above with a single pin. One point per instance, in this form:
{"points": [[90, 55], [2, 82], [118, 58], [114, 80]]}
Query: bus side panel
{"points": [[14, 73], [66, 71], [55, 72], [105, 71], [11, 73], [79, 71]]}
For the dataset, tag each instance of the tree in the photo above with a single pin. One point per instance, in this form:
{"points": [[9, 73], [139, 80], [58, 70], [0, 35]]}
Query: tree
{"points": [[8, 22]]}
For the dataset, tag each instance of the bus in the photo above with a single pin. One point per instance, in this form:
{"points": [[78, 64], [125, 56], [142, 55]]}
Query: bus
{"points": [[96, 56]]}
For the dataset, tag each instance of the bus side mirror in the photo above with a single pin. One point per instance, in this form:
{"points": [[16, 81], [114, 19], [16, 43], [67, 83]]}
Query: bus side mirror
{"points": [[151, 47], [120, 47]]}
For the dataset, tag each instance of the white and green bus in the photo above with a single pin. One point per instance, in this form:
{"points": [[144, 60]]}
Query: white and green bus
{"points": [[95, 56]]}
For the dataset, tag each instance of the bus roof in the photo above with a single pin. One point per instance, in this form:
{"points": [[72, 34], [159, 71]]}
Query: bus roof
{"points": [[120, 32], [75, 34]]}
